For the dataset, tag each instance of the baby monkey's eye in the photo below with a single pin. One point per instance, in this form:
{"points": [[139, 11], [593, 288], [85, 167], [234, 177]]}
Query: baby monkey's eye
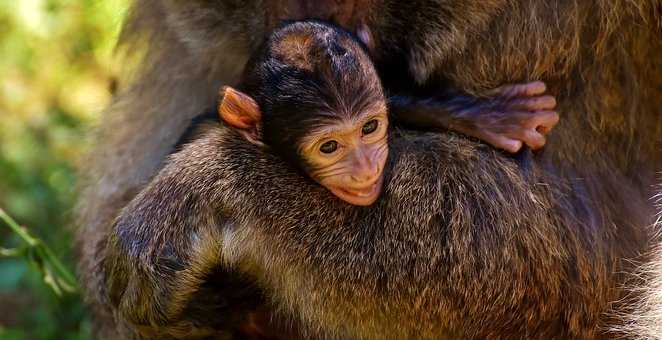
{"points": [[329, 147], [370, 127]]}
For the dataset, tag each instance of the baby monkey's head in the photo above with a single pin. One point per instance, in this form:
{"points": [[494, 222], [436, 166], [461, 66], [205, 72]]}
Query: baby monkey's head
{"points": [[312, 95]]}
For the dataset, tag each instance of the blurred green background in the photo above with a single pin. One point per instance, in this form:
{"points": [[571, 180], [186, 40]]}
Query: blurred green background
{"points": [[56, 74]]}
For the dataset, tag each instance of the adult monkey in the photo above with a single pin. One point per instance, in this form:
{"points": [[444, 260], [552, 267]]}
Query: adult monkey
{"points": [[601, 58]]}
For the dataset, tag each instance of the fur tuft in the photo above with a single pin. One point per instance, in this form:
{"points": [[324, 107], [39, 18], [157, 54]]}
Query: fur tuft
{"points": [[643, 319]]}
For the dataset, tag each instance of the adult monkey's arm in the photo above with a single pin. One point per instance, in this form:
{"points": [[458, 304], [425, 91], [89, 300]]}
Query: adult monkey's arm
{"points": [[161, 248], [165, 244]]}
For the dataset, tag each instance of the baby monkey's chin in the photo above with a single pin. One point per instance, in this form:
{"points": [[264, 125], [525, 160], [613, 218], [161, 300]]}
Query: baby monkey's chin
{"points": [[364, 196]]}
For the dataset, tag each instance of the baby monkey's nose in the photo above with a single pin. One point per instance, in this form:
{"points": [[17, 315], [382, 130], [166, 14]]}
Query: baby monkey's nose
{"points": [[367, 174]]}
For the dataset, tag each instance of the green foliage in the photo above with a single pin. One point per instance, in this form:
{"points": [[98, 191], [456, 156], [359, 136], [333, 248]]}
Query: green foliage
{"points": [[53, 272], [56, 72]]}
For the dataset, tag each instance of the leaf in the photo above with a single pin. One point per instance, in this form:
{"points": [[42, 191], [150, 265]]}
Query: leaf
{"points": [[11, 252]]}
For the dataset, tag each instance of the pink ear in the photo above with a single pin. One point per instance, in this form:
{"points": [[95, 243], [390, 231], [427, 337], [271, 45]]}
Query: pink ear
{"points": [[238, 109]]}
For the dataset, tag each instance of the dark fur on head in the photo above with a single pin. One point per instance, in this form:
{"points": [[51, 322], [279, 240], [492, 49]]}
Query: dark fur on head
{"points": [[308, 74]]}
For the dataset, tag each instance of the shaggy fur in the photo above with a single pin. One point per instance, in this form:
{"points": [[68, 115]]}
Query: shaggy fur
{"points": [[398, 269], [505, 248], [643, 319]]}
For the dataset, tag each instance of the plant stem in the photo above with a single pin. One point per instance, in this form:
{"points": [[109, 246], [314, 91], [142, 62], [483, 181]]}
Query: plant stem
{"points": [[40, 247], [18, 229]]}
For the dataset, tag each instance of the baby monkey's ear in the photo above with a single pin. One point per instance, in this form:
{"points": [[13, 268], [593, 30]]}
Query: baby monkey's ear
{"points": [[240, 111]]}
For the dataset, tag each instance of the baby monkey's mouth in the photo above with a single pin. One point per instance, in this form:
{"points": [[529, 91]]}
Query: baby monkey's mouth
{"points": [[364, 195], [361, 192]]}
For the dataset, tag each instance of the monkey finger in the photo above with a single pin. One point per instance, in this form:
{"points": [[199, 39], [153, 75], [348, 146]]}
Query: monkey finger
{"points": [[365, 35], [500, 141], [532, 138], [533, 103], [545, 120], [543, 130], [518, 90]]}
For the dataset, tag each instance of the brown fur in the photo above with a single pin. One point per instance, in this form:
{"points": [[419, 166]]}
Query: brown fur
{"points": [[523, 254], [294, 238], [295, 49]]}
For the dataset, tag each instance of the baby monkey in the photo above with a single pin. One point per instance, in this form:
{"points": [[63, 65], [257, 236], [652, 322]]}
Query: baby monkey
{"points": [[312, 96]]}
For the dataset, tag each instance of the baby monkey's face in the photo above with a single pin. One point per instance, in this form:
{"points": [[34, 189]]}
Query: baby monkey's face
{"points": [[344, 152], [347, 154]]}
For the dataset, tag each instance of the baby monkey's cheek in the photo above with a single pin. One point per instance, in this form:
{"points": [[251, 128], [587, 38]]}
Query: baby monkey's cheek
{"points": [[327, 175]]}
